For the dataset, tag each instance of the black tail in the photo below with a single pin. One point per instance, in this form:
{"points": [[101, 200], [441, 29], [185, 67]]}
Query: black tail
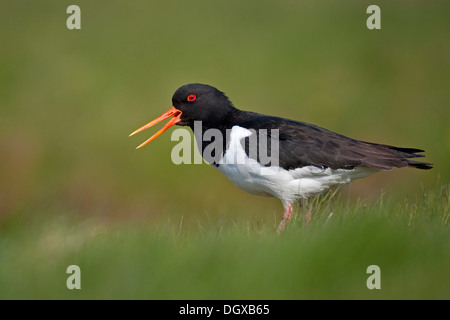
{"points": [[408, 153]]}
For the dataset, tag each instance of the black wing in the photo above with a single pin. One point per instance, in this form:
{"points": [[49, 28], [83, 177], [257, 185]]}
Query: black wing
{"points": [[303, 144]]}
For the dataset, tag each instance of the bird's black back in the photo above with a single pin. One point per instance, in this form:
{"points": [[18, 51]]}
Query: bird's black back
{"points": [[303, 144]]}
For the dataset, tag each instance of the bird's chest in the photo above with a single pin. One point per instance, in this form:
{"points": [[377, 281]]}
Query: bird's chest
{"points": [[245, 172]]}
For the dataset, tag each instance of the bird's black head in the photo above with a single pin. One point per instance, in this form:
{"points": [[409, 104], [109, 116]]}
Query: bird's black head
{"points": [[194, 102], [201, 102]]}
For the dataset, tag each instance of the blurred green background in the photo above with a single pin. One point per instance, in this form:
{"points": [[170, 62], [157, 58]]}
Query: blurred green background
{"points": [[69, 99]]}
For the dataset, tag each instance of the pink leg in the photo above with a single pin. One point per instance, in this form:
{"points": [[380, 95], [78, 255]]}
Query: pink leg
{"points": [[288, 212], [286, 217]]}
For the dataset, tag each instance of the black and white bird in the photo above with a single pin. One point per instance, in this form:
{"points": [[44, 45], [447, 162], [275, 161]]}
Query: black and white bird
{"points": [[310, 159]]}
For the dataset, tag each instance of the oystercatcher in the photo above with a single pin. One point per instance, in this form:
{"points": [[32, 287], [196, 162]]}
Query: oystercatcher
{"points": [[310, 159]]}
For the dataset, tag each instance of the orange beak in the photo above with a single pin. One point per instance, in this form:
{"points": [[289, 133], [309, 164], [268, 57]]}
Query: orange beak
{"points": [[169, 113]]}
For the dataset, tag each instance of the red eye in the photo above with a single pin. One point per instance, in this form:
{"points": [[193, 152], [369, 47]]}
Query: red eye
{"points": [[191, 97]]}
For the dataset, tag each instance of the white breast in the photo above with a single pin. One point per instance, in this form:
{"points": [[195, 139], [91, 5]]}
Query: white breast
{"points": [[287, 185]]}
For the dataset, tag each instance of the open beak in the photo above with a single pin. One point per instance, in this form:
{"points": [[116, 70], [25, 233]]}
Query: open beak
{"points": [[169, 113]]}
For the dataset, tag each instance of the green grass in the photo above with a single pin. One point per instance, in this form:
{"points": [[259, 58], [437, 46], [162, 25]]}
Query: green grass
{"points": [[325, 257]]}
